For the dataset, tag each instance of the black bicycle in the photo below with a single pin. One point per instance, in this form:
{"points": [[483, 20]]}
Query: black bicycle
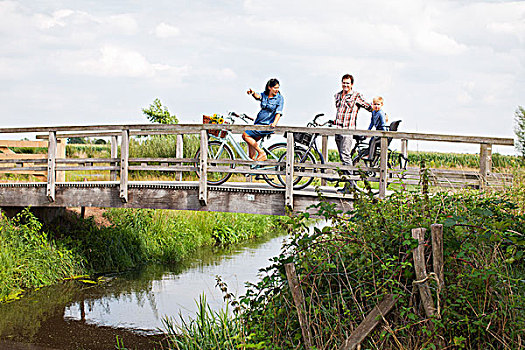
{"points": [[307, 152], [366, 154]]}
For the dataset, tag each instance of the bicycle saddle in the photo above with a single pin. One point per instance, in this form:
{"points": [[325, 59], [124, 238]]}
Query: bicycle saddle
{"points": [[359, 137]]}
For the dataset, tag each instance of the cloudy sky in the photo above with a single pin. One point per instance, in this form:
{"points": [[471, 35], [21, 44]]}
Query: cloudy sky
{"points": [[442, 66]]}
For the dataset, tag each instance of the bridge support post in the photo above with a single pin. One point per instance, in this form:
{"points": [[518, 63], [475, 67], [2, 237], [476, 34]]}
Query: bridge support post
{"points": [[383, 167], [114, 154], [124, 165], [51, 165], [203, 167], [485, 163], [289, 170]]}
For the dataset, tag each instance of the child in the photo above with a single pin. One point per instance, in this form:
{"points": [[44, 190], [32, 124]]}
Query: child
{"points": [[378, 120]]}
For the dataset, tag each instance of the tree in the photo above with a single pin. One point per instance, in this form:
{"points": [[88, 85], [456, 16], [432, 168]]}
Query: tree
{"points": [[519, 129], [156, 113], [76, 140]]}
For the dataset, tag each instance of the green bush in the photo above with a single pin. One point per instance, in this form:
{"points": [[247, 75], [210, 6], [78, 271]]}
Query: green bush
{"points": [[347, 268]]}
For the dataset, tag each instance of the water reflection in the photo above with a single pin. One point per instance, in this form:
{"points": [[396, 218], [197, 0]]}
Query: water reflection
{"points": [[135, 301]]}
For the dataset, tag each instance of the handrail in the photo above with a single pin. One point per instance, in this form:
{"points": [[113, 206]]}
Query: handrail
{"points": [[150, 129], [122, 163]]}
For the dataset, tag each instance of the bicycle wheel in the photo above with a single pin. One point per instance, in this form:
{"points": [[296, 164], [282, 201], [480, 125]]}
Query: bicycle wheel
{"points": [[300, 156], [274, 153], [361, 163], [217, 150]]}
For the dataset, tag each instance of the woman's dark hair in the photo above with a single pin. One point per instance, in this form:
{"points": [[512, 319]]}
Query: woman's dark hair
{"points": [[271, 83]]}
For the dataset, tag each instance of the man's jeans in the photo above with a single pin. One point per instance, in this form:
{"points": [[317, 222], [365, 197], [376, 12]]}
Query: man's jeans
{"points": [[344, 146]]}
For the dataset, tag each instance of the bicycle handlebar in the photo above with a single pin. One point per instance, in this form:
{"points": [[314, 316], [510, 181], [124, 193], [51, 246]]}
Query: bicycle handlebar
{"points": [[314, 123], [243, 116]]}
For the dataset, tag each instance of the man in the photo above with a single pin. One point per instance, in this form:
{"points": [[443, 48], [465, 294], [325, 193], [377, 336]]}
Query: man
{"points": [[347, 103]]}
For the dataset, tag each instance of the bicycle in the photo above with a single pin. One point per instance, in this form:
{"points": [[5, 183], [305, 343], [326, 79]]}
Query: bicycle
{"points": [[223, 146], [306, 151], [363, 158]]}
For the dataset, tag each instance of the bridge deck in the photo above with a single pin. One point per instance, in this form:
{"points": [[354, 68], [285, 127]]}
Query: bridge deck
{"points": [[241, 197]]}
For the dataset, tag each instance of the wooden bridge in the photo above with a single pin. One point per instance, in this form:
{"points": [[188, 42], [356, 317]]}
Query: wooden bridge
{"points": [[192, 193]]}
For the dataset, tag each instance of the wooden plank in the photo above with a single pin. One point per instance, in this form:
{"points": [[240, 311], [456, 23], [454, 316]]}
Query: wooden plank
{"points": [[25, 170], [203, 165], [383, 167], [51, 158], [22, 156], [23, 143], [87, 168], [195, 128], [114, 154], [124, 156], [174, 168], [421, 272], [298, 298], [370, 322], [87, 160], [289, 170]]}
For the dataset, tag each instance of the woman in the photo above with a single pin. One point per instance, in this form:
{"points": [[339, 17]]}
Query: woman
{"points": [[271, 110]]}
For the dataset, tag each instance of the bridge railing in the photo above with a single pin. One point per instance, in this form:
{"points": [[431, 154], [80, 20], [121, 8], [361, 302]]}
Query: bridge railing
{"points": [[119, 165]]}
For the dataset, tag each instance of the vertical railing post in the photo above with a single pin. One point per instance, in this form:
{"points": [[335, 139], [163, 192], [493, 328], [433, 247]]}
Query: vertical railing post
{"points": [[485, 163], [179, 153], [324, 152], [51, 165], [114, 154], [61, 154], [203, 167], [289, 170], [383, 167], [124, 166], [404, 148]]}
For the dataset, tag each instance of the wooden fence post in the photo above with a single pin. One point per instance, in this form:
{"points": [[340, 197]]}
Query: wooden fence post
{"points": [[324, 152], [203, 165], [383, 167], [289, 170], [298, 299], [179, 153], [124, 166], [51, 165], [113, 155], [437, 254], [421, 272]]}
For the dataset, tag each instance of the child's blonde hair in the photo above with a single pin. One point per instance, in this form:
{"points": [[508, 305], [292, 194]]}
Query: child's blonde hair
{"points": [[379, 98]]}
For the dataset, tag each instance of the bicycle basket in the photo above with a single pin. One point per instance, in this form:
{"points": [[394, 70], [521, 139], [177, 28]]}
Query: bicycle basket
{"points": [[215, 119], [303, 137]]}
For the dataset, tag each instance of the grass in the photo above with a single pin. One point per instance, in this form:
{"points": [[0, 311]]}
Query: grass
{"points": [[30, 259]]}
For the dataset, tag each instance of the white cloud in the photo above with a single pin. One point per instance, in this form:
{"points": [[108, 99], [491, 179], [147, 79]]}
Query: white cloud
{"points": [[438, 44], [164, 30], [113, 61]]}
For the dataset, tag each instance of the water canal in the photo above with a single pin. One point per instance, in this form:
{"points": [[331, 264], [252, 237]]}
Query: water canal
{"points": [[131, 305]]}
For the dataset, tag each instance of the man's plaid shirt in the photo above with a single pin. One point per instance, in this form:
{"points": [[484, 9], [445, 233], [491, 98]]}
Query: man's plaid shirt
{"points": [[347, 108]]}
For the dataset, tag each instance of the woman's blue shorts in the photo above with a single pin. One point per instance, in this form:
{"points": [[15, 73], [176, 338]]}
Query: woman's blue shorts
{"points": [[257, 135]]}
